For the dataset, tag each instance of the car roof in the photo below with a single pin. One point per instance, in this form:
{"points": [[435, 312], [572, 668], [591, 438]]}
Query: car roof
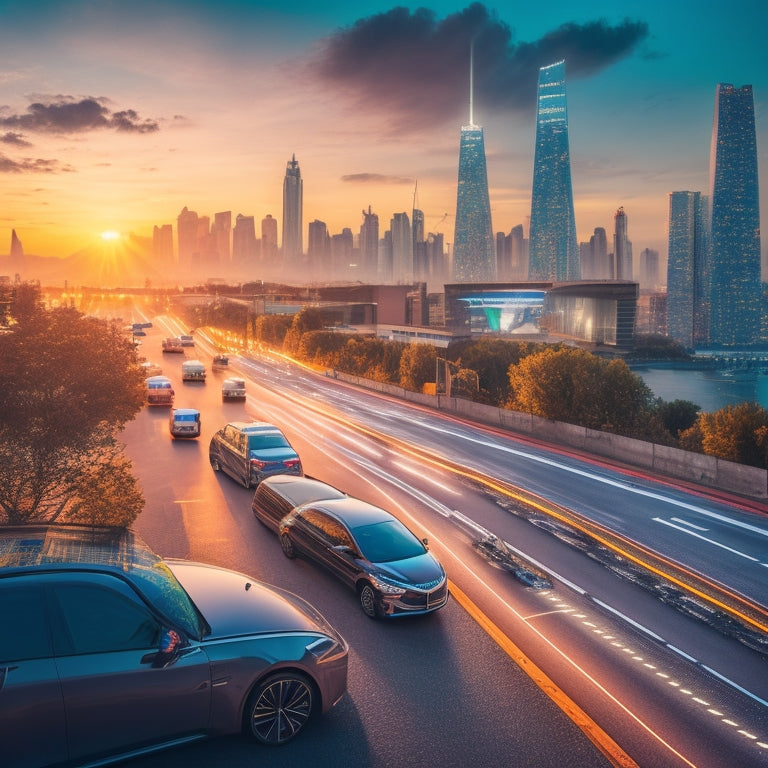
{"points": [[253, 427], [351, 511], [186, 411], [157, 379], [300, 489], [46, 547], [236, 381]]}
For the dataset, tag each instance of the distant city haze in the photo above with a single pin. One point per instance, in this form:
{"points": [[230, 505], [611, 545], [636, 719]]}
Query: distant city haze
{"points": [[117, 117]]}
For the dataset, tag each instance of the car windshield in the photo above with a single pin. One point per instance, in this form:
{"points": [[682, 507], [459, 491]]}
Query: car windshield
{"points": [[387, 541], [267, 440], [185, 417]]}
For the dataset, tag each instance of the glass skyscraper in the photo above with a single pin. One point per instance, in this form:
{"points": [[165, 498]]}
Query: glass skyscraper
{"points": [[687, 301], [293, 246], [474, 255], [734, 273], [553, 248]]}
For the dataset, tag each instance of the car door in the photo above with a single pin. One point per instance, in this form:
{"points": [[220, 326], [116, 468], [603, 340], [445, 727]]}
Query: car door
{"points": [[106, 639], [342, 553], [32, 722]]}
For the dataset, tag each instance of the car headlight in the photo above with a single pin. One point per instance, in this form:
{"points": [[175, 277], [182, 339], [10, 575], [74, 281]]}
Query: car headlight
{"points": [[326, 648], [387, 587]]}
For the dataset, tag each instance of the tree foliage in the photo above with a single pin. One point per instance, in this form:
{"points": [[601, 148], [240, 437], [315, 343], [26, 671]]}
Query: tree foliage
{"points": [[736, 433], [576, 387], [68, 383], [417, 366]]}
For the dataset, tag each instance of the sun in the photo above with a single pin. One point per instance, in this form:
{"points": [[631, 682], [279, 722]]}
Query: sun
{"points": [[110, 234]]}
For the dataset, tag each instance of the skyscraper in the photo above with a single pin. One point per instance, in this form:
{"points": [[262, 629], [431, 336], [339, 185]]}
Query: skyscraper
{"points": [[686, 264], [734, 273], [369, 246], [293, 190], [187, 233], [269, 241], [402, 248], [474, 258], [222, 233], [622, 248], [553, 247], [244, 241]]}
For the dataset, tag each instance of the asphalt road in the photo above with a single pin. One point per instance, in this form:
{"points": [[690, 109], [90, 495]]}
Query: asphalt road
{"points": [[440, 689]]}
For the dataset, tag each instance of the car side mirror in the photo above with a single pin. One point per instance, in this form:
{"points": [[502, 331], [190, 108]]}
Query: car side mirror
{"points": [[171, 642], [425, 542]]}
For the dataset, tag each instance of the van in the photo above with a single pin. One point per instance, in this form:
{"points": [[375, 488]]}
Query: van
{"points": [[159, 391], [186, 340], [192, 370], [184, 422]]}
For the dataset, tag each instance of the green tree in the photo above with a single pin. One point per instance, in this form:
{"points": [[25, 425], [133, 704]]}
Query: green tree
{"points": [[677, 415], [308, 319], [68, 383], [417, 366]]}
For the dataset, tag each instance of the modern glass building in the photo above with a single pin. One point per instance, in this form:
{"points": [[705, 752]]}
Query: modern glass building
{"points": [[734, 274], [553, 249], [474, 254], [687, 298], [293, 190]]}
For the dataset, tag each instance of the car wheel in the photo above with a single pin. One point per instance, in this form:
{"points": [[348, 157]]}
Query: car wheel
{"points": [[279, 707], [368, 601], [215, 466], [287, 546]]}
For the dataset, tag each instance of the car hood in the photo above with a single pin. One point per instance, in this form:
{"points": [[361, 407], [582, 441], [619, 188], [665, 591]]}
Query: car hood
{"points": [[234, 604], [421, 571]]}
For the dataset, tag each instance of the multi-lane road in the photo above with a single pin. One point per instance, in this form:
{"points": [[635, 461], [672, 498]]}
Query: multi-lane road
{"points": [[590, 668]]}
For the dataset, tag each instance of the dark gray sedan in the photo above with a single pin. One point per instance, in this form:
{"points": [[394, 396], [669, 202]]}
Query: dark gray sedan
{"points": [[369, 549], [108, 652]]}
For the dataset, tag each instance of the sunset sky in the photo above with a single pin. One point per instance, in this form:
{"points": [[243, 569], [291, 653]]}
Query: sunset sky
{"points": [[115, 115]]}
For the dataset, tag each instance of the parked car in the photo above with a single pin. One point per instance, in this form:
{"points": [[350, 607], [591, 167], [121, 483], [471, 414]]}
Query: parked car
{"points": [[193, 370], [251, 451], [118, 652], [371, 551], [233, 389], [159, 391], [276, 496], [184, 422], [172, 345]]}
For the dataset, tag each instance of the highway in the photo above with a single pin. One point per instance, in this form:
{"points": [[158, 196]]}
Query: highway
{"points": [[584, 668]]}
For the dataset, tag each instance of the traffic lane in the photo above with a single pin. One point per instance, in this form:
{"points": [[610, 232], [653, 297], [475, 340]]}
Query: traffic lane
{"points": [[636, 505]]}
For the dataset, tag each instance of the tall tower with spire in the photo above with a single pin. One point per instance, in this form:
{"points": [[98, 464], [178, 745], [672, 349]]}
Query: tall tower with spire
{"points": [[474, 255], [293, 247], [554, 248]]}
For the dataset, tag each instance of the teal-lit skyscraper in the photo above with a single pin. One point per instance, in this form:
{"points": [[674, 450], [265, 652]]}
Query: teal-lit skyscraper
{"points": [[553, 248], [474, 255], [734, 274]]}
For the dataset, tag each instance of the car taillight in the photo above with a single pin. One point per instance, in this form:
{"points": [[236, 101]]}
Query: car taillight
{"points": [[292, 462], [258, 464]]}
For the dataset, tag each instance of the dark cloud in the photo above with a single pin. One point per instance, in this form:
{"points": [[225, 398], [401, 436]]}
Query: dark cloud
{"points": [[31, 165], [416, 66], [16, 139], [65, 114], [375, 178]]}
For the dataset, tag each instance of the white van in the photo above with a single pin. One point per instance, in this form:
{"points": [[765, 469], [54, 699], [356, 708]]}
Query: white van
{"points": [[192, 370], [233, 389]]}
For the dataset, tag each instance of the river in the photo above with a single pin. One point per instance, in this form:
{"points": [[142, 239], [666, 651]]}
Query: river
{"points": [[711, 389]]}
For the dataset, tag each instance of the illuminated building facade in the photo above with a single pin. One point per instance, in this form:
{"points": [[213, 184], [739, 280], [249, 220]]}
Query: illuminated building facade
{"points": [[734, 274], [553, 247]]}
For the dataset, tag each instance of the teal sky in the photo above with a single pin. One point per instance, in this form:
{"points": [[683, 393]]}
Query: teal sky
{"points": [[115, 115]]}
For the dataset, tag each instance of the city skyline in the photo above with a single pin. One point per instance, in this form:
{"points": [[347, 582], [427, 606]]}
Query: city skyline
{"points": [[98, 133]]}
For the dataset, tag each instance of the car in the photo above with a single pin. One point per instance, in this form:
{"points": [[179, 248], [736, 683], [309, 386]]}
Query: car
{"points": [[184, 422], [159, 391], [151, 369], [187, 340], [250, 451], [233, 389], [173, 345], [278, 495], [370, 550], [118, 652], [220, 363]]}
